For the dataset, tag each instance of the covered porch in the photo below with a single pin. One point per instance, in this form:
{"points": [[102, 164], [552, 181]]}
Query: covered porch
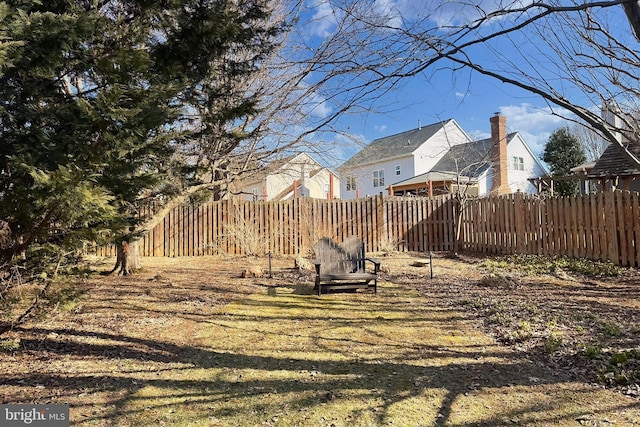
{"points": [[433, 184]]}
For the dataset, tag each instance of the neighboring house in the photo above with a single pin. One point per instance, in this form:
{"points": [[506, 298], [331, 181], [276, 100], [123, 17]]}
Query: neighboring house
{"points": [[611, 171], [614, 170], [441, 158], [296, 176], [396, 158]]}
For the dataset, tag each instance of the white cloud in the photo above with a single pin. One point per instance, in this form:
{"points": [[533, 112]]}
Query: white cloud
{"points": [[455, 13], [535, 124], [388, 11], [323, 20], [380, 128], [477, 135], [312, 103], [324, 17], [338, 150], [318, 106]]}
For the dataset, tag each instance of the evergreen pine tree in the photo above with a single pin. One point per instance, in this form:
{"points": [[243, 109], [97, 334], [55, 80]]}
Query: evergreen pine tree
{"points": [[99, 97], [562, 152]]}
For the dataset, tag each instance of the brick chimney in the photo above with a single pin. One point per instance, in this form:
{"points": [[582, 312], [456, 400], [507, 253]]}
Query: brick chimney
{"points": [[499, 160]]}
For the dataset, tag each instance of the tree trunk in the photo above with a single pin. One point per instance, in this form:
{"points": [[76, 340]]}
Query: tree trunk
{"points": [[128, 255], [127, 258], [458, 215]]}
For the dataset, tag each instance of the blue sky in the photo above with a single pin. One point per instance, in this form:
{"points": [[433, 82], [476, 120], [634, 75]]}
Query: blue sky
{"points": [[471, 102], [470, 99]]}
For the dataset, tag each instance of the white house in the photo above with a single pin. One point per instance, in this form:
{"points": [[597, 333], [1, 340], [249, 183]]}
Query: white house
{"points": [[396, 158], [442, 158], [296, 176]]}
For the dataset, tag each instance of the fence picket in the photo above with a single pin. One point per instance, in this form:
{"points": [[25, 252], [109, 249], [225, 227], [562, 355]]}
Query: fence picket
{"points": [[636, 225], [602, 226]]}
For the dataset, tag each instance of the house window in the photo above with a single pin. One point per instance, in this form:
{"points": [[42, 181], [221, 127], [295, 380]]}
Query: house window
{"points": [[351, 183], [397, 170], [518, 163], [378, 178]]}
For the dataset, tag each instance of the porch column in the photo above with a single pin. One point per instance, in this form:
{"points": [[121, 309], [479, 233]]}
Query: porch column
{"points": [[331, 196]]}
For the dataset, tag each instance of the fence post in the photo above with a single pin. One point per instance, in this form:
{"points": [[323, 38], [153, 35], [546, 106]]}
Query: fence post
{"points": [[611, 227], [380, 233], [519, 214]]}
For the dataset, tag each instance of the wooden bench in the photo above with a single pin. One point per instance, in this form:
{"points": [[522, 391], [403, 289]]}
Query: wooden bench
{"points": [[343, 267]]}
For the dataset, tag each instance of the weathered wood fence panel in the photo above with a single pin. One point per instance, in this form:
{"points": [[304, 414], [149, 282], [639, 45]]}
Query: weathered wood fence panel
{"points": [[292, 227], [602, 226]]}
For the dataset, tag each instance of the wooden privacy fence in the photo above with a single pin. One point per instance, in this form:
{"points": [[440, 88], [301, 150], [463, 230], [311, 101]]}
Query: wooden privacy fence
{"points": [[292, 227], [603, 226]]}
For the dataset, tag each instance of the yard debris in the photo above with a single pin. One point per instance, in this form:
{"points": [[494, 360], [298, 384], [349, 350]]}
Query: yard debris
{"points": [[497, 280], [419, 263], [585, 419], [252, 271], [302, 263], [328, 397]]}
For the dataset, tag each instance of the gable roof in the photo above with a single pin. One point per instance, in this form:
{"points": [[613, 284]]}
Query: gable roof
{"points": [[468, 160], [282, 164], [463, 161], [471, 159], [614, 163], [397, 145]]}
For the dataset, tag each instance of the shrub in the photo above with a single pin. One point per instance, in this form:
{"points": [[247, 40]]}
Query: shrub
{"points": [[9, 346], [611, 329], [535, 264], [553, 342], [593, 351]]}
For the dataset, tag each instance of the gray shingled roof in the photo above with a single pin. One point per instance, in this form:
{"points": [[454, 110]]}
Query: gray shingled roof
{"points": [[470, 159], [614, 163], [397, 145]]}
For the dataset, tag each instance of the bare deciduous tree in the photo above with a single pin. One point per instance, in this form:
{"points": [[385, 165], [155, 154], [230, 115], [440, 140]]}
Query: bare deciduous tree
{"points": [[575, 55], [592, 142]]}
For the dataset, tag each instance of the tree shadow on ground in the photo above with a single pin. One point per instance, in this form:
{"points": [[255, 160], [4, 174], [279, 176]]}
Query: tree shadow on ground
{"points": [[290, 356], [385, 383]]}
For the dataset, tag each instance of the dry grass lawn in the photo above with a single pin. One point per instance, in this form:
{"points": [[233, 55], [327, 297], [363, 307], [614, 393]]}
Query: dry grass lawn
{"points": [[187, 342]]}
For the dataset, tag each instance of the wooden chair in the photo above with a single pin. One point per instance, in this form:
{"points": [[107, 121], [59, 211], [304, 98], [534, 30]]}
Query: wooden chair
{"points": [[343, 267]]}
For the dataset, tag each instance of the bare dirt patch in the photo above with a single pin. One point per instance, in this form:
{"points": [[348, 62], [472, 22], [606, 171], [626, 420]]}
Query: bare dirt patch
{"points": [[192, 342]]}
